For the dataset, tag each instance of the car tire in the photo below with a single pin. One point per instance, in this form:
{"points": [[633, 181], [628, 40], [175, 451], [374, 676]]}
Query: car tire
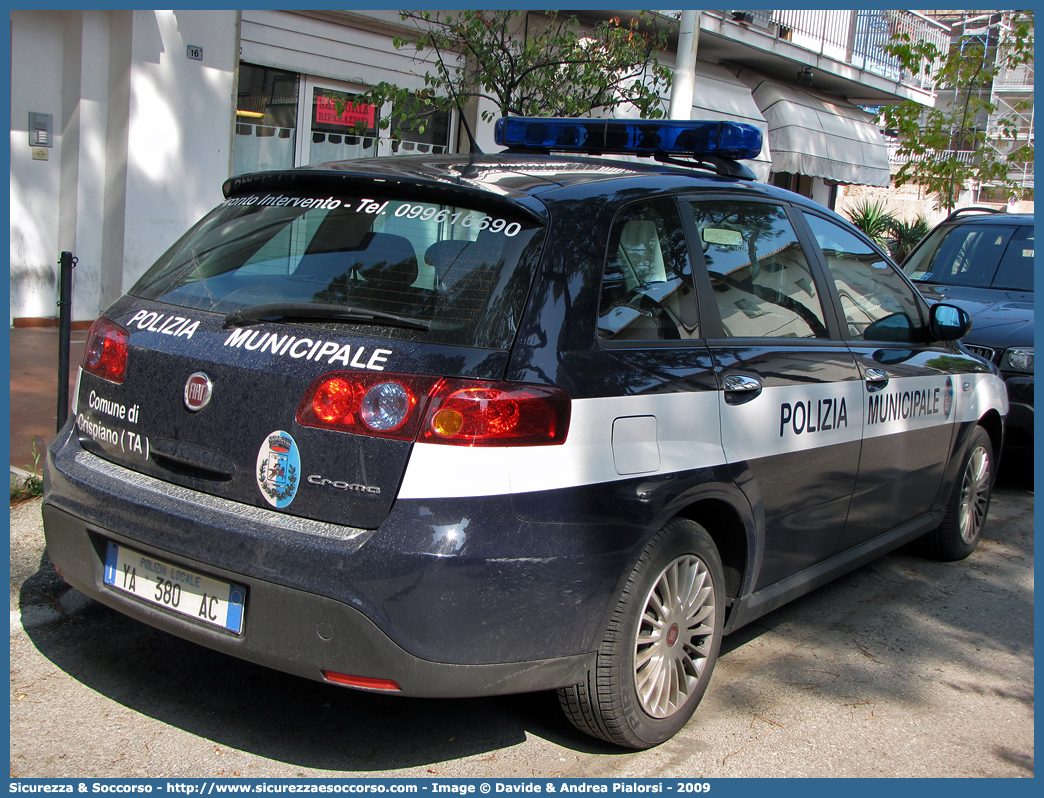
{"points": [[959, 533], [655, 661]]}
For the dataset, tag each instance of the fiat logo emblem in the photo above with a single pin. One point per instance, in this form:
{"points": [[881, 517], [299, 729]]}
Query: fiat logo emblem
{"points": [[672, 634], [198, 390]]}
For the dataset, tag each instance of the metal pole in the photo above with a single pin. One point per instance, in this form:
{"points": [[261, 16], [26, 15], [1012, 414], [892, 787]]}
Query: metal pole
{"points": [[66, 264], [684, 83]]}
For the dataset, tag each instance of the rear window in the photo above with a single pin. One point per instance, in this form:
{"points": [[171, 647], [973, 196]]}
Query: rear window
{"points": [[979, 256], [463, 273]]}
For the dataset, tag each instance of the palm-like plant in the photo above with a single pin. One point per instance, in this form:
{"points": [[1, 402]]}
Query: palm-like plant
{"points": [[904, 236], [874, 220]]}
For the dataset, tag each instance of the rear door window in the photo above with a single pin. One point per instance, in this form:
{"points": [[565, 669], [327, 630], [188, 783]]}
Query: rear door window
{"points": [[647, 286], [460, 271]]}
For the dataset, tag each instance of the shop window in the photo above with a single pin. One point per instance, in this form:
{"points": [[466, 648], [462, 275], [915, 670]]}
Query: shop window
{"points": [[266, 119], [434, 139], [341, 127], [284, 120]]}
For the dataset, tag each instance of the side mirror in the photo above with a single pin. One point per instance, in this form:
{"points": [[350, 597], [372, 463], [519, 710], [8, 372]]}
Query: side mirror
{"points": [[948, 322]]}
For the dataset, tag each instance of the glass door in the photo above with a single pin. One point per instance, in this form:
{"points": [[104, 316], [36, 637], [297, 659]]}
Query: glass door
{"points": [[329, 114]]}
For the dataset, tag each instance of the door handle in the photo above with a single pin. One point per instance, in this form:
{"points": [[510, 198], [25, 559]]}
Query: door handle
{"points": [[740, 388], [876, 380]]}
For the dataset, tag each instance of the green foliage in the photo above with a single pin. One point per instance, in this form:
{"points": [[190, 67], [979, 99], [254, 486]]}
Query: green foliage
{"points": [[904, 236], [527, 64], [949, 145], [31, 487], [874, 220], [895, 236]]}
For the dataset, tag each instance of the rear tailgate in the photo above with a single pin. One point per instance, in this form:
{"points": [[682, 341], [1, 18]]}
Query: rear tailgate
{"points": [[301, 275], [245, 443]]}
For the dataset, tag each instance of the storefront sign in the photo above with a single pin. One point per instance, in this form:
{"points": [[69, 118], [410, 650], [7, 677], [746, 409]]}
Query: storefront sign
{"points": [[326, 112]]}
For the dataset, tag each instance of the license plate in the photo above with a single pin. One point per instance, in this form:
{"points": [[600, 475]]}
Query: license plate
{"points": [[189, 593]]}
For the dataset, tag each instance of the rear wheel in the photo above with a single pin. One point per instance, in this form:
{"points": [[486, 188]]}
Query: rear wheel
{"points": [[959, 533], [658, 653]]}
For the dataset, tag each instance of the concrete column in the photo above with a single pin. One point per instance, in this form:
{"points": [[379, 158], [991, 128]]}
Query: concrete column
{"points": [[85, 96], [178, 134], [684, 83], [114, 206]]}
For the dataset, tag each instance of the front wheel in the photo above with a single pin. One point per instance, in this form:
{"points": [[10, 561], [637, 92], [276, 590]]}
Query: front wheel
{"points": [[656, 658], [959, 533]]}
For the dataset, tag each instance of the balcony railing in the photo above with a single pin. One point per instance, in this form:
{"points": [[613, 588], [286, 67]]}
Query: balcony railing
{"points": [[896, 159], [853, 37], [1021, 77], [1020, 172]]}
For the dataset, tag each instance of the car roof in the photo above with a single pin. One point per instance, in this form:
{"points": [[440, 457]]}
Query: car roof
{"points": [[508, 176], [987, 218]]}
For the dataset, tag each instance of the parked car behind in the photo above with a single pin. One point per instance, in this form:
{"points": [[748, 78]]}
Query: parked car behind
{"points": [[982, 260]]}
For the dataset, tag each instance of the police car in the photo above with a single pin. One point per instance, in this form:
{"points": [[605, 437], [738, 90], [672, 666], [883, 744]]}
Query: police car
{"points": [[471, 425]]}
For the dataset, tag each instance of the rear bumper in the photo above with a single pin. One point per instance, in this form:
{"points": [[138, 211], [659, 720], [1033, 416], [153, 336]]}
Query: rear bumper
{"points": [[294, 631], [445, 602]]}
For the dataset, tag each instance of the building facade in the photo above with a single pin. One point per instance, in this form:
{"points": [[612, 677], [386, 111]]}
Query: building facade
{"points": [[1009, 126], [124, 124]]}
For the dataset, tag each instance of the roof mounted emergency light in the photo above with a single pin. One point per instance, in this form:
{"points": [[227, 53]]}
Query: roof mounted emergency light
{"points": [[714, 144], [683, 137]]}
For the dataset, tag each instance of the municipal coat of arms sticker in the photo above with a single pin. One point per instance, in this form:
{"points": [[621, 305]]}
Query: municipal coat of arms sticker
{"points": [[278, 468]]}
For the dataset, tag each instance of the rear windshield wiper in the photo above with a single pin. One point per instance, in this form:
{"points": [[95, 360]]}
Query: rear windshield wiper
{"points": [[309, 310]]}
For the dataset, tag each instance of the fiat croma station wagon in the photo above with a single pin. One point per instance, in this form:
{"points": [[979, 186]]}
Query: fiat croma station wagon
{"points": [[539, 420]]}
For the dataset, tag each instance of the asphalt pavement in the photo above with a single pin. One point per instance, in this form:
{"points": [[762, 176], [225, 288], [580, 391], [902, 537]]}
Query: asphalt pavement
{"points": [[903, 668]]}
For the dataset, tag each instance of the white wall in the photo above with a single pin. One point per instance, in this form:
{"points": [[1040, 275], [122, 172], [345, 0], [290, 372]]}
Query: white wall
{"points": [[143, 140], [180, 128], [333, 45], [36, 42]]}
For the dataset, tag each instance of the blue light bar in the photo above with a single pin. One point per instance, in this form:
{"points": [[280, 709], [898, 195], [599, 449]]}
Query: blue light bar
{"points": [[731, 140]]}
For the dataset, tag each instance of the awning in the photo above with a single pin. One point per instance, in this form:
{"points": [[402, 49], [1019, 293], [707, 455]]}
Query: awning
{"points": [[719, 96], [820, 135]]}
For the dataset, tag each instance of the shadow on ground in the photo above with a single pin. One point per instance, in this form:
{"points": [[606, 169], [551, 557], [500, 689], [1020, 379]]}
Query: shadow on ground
{"points": [[274, 715], [317, 726]]}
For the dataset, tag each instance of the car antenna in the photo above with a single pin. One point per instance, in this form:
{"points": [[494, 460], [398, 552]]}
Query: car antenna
{"points": [[474, 151], [473, 148]]}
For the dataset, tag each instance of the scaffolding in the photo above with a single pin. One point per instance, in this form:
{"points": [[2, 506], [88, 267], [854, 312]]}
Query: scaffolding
{"points": [[1009, 125]]}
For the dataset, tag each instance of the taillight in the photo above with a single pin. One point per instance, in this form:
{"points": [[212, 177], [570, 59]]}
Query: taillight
{"points": [[382, 405], [434, 410], [472, 413], [106, 352]]}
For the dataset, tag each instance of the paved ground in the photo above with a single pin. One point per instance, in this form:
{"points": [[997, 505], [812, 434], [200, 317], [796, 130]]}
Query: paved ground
{"points": [[905, 667], [34, 388]]}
